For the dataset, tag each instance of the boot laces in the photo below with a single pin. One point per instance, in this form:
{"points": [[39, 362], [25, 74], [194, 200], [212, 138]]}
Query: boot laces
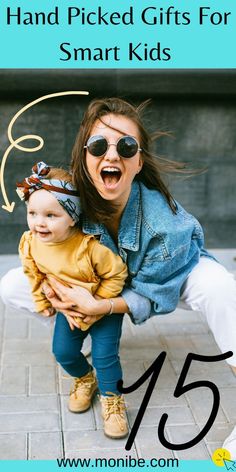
{"points": [[83, 383], [114, 405]]}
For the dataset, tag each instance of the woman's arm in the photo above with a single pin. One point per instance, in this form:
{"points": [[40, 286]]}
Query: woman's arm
{"points": [[119, 306], [77, 301]]}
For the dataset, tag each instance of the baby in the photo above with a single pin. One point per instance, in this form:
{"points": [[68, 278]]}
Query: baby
{"points": [[56, 246]]}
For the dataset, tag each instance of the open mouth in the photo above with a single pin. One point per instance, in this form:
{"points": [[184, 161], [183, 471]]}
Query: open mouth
{"points": [[43, 233], [110, 176]]}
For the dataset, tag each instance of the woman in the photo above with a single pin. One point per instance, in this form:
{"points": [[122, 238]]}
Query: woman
{"points": [[128, 207]]}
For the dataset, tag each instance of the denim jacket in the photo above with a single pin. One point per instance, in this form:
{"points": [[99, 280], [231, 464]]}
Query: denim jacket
{"points": [[159, 247]]}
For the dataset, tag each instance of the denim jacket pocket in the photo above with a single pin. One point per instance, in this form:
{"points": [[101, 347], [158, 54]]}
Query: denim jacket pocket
{"points": [[157, 251]]}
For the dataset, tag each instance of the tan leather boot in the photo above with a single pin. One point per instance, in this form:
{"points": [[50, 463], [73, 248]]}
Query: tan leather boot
{"points": [[114, 416], [82, 393]]}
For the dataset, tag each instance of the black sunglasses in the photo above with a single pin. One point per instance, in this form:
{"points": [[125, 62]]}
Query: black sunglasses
{"points": [[126, 146]]}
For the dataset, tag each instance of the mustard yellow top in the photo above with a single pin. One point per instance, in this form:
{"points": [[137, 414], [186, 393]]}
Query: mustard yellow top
{"points": [[80, 260]]}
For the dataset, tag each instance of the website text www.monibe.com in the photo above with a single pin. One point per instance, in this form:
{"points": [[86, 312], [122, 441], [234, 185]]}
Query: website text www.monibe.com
{"points": [[125, 462]]}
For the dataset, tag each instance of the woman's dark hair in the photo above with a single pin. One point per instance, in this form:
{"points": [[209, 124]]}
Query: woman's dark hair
{"points": [[95, 207]]}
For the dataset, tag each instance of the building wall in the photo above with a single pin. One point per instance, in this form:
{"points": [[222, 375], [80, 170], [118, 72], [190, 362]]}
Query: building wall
{"points": [[198, 108]]}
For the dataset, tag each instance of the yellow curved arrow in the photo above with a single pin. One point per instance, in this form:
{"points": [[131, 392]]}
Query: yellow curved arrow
{"points": [[15, 142], [10, 206]]}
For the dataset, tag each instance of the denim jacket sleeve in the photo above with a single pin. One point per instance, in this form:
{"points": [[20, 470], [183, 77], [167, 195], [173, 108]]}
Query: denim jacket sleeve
{"points": [[139, 306], [163, 293], [168, 251]]}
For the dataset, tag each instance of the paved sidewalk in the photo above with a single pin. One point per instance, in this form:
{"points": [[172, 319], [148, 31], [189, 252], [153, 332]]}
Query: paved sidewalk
{"points": [[35, 422]]}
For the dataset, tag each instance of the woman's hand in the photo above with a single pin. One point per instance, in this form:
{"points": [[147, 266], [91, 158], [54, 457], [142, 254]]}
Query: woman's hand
{"points": [[72, 301]]}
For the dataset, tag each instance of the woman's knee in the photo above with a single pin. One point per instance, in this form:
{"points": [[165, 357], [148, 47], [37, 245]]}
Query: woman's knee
{"points": [[210, 281], [15, 290], [8, 287], [219, 287]]}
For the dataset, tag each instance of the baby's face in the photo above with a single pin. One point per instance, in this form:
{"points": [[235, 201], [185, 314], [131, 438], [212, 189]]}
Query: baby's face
{"points": [[47, 219]]}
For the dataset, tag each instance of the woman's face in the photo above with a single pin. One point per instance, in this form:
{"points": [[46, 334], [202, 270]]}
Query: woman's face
{"points": [[113, 175]]}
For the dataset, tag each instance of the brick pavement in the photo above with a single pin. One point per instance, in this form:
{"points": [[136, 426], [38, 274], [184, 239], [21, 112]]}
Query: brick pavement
{"points": [[35, 422]]}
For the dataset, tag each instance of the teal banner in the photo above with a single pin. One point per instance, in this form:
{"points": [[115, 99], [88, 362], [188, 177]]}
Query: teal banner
{"points": [[129, 34], [54, 466]]}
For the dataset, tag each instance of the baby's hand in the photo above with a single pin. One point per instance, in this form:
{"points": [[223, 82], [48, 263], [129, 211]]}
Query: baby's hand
{"points": [[81, 324], [86, 325], [48, 312]]}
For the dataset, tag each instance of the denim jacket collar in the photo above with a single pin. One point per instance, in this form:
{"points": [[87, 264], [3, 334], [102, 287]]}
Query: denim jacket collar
{"points": [[129, 230]]}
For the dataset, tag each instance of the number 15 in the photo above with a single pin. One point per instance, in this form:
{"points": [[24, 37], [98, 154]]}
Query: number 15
{"points": [[154, 371]]}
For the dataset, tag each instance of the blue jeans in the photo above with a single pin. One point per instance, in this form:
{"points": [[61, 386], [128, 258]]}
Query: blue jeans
{"points": [[105, 335]]}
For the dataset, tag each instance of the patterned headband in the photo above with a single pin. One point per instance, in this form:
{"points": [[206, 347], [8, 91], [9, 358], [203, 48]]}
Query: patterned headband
{"points": [[63, 191]]}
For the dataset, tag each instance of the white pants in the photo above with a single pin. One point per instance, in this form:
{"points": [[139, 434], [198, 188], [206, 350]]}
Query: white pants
{"points": [[210, 288]]}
